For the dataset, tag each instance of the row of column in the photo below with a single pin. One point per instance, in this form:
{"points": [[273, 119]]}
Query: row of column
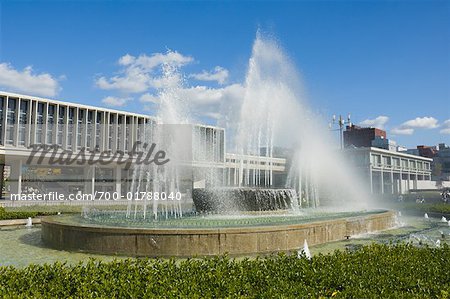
{"points": [[33, 125], [392, 181]]}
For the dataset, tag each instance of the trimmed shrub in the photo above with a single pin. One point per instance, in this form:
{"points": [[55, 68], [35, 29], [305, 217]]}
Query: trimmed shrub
{"points": [[375, 271]]}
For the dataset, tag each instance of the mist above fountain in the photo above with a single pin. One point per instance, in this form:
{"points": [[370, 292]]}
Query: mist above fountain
{"points": [[273, 113], [168, 131]]}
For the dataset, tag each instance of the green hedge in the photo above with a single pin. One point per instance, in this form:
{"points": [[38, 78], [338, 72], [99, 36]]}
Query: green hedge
{"points": [[426, 207], [375, 271], [7, 215], [64, 208]]}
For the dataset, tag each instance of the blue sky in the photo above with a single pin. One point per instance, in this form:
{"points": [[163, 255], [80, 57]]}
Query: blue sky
{"points": [[385, 62]]}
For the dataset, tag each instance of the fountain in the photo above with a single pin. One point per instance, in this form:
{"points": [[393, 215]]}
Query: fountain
{"points": [[305, 251], [244, 199], [251, 217], [29, 222]]}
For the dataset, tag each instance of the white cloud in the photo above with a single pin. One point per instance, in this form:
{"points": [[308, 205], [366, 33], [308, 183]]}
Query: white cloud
{"points": [[115, 101], [155, 59], [133, 81], [217, 103], [202, 95], [402, 131], [130, 83], [213, 115], [26, 81], [219, 74], [408, 127], [155, 76], [202, 100], [422, 122], [377, 122], [149, 98], [198, 95], [137, 73], [445, 127]]}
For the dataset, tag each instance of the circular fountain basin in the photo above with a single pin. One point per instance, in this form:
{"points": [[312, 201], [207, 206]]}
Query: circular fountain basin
{"points": [[243, 235]]}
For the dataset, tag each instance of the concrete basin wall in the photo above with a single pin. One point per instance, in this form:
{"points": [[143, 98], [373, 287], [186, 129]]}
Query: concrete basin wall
{"points": [[206, 242]]}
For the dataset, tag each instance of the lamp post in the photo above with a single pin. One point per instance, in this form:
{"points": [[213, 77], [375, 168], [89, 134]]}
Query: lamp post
{"points": [[341, 122]]}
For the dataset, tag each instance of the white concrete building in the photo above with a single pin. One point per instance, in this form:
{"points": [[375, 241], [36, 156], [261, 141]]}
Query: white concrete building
{"points": [[391, 172], [28, 120]]}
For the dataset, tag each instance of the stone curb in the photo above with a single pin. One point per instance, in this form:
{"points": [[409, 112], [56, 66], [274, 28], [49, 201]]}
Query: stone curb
{"points": [[13, 222]]}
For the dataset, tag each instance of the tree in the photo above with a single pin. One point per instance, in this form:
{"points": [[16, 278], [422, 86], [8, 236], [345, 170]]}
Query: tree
{"points": [[437, 169]]}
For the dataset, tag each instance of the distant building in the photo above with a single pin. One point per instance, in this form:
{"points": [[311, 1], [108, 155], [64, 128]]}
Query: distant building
{"points": [[355, 136], [442, 162], [423, 151], [412, 151], [388, 168], [441, 159], [390, 172], [384, 143], [427, 151]]}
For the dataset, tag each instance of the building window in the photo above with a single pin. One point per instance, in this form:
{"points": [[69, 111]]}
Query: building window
{"points": [[40, 122], [2, 103], [50, 123], [404, 163], [70, 121], [396, 162], [80, 128], [90, 116], [111, 131], [139, 131], [376, 160], [98, 131], [119, 131], [127, 132], [61, 125], [23, 121], [104, 175], [11, 123], [386, 161]]}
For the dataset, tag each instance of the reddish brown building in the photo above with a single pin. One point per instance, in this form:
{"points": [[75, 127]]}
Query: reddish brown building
{"points": [[361, 137], [427, 151]]}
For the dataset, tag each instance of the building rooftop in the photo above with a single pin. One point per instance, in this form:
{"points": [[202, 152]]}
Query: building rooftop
{"points": [[384, 151]]}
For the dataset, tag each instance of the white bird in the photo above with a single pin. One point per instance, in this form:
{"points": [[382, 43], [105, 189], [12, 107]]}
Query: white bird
{"points": [[443, 219], [426, 216]]}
